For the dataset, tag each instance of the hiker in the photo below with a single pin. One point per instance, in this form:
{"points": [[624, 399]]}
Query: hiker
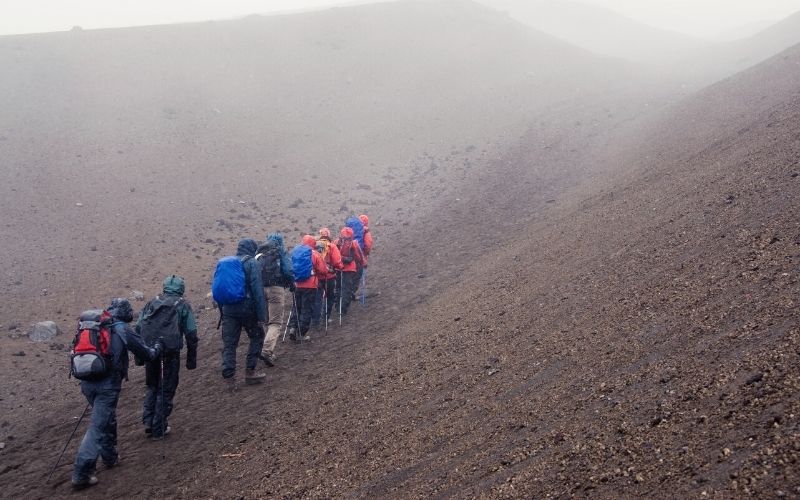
{"points": [[357, 225], [103, 393], [352, 259], [326, 296], [307, 264], [168, 318], [250, 314], [276, 276], [368, 242]]}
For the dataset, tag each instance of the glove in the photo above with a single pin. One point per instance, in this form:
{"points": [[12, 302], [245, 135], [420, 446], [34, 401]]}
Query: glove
{"points": [[262, 325], [157, 350], [292, 287], [138, 361], [191, 360], [347, 260]]}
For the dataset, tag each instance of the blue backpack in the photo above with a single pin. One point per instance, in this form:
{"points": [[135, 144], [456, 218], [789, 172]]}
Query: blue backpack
{"points": [[228, 285], [357, 226], [302, 266]]}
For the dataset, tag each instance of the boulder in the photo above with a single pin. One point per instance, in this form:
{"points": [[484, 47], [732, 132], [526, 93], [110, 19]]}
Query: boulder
{"points": [[44, 331]]}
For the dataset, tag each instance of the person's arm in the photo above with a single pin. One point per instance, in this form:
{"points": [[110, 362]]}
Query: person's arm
{"points": [[319, 263], [137, 346], [359, 257], [336, 257], [257, 290], [189, 330]]}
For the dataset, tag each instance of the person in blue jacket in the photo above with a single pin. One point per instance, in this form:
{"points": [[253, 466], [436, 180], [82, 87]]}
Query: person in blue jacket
{"points": [[250, 314], [103, 395]]}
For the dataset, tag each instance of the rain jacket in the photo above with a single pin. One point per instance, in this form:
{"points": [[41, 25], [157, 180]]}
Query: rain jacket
{"points": [[254, 304], [317, 264]]}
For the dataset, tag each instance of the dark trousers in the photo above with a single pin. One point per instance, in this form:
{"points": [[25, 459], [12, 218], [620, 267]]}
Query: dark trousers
{"points": [[231, 331], [304, 301], [349, 284], [101, 436], [158, 398], [324, 301]]}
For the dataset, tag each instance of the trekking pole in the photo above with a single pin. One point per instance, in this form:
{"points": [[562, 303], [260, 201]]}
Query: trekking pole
{"points": [[288, 320], [163, 410], [364, 287], [55, 465], [325, 301], [296, 316], [341, 294]]}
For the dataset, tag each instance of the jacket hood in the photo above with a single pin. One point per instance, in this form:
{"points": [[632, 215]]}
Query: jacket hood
{"points": [[174, 285], [310, 241], [346, 232], [364, 220], [121, 310], [325, 233], [276, 237], [247, 247]]}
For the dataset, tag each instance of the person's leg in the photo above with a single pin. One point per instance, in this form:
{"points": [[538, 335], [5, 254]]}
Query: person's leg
{"points": [[316, 306], [256, 335], [231, 330], [108, 400], [330, 295], [100, 437], [166, 393], [305, 305], [152, 377], [275, 301], [347, 290]]}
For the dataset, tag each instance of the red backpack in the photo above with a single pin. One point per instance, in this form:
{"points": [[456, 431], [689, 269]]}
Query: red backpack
{"points": [[90, 358]]}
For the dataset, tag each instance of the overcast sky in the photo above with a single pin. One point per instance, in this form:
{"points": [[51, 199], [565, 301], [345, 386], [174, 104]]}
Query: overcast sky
{"points": [[30, 16]]}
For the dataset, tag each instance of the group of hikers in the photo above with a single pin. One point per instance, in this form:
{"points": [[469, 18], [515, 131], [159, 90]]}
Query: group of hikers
{"points": [[249, 289]]}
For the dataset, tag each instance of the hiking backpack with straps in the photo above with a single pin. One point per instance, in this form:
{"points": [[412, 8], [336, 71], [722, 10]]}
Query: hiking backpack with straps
{"points": [[324, 249], [228, 286], [161, 321], [269, 259], [357, 226], [91, 357], [347, 249], [302, 266]]}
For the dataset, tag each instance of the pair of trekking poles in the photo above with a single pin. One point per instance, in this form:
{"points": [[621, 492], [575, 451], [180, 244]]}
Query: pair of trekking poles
{"points": [[89, 405]]}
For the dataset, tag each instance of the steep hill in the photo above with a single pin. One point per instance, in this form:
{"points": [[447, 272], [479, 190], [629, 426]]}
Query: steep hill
{"points": [[158, 147], [602, 302]]}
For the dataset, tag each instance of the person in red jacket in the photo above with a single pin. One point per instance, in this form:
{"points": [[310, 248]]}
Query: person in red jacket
{"points": [[367, 235], [352, 261], [306, 290], [326, 297]]}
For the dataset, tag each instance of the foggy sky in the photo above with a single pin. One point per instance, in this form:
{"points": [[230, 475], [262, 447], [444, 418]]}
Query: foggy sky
{"points": [[696, 17]]}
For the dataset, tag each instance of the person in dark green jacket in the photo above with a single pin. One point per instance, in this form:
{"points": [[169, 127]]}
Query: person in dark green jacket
{"points": [[167, 318]]}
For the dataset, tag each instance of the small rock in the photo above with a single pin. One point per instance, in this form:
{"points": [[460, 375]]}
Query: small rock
{"points": [[2, 445], [13, 326], [44, 331], [729, 199], [756, 377], [639, 478], [137, 295], [20, 353], [79, 204]]}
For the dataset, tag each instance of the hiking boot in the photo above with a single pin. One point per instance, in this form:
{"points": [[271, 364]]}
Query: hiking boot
{"points": [[230, 384], [305, 338], [148, 431], [162, 436], [111, 465], [268, 358], [252, 377], [82, 485]]}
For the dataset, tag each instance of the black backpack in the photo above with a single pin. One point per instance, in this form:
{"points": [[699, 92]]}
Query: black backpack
{"points": [[161, 320], [269, 258]]}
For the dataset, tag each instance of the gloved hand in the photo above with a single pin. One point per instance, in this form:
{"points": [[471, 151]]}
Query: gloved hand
{"points": [[292, 287], [191, 359], [138, 361], [157, 350], [262, 325]]}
